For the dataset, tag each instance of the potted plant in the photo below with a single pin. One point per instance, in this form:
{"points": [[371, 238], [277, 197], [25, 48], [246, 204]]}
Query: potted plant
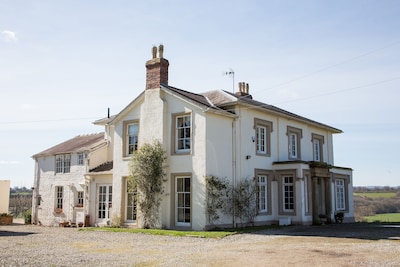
{"points": [[58, 210], [6, 219]]}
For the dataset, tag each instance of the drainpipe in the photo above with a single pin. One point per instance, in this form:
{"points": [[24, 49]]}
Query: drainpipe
{"points": [[233, 166]]}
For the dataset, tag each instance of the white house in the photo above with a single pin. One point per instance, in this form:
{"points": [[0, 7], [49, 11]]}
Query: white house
{"points": [[215, 133], [4, 195]]}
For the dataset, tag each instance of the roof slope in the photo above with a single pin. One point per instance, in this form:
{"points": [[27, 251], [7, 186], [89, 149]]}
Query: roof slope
{"points": [[76, 144], [224, 98]]}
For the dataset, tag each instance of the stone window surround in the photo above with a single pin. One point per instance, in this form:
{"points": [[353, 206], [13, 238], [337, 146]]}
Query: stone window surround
{"points": [[125, 136], [346, 179], [174, 150], [321, 139], [269, 174], [280, 174], [299, 134], [173, 200], [269, 129]]}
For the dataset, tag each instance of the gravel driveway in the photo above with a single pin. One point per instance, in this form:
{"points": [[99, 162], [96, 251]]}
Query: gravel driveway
{"points": [[330, 245]]}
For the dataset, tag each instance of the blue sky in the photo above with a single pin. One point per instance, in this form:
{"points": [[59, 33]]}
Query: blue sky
{"points": [[63, 63]]}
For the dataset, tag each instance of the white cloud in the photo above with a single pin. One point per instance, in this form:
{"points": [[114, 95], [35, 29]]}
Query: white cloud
{"points": [[9, 36]]}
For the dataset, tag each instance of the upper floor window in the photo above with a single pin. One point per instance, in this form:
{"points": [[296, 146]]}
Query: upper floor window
{"points": [[263, 137], [131, 137], [294, 136], [81, 158], [63, 163], [183, 129], [317, 143]]}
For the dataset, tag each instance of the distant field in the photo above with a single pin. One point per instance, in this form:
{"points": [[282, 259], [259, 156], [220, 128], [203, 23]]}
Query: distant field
{"points": [[377, 195], [387, 217]]}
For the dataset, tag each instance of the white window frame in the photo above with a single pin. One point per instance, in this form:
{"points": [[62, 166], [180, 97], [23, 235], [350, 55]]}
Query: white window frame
{"points": [[262, 196], [261, 139], [131, 204], [132, 136], [186, 129], [80, 197], [294, 142], [63, 163], [183, 201], [104, 201], [340, 194], [293, 146], [317, 147], [288, 196], [81, 158]]}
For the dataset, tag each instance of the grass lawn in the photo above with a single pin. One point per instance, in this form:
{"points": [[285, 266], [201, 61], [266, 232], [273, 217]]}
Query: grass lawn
{"points": [[204, 234], [377, 195], [387, 217], [221, 233]]}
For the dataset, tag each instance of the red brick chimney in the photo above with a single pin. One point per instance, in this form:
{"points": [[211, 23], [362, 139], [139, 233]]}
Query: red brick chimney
{"points": [[243, 90], [156, 69]]}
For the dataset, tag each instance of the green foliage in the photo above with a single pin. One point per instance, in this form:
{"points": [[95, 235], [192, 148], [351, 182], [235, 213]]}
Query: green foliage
{"points": [[239, 202], [371, 201], [245, 201], [217, 193], [5, 214], [377, 194], [387, 217], [147, 171], [28, 216], [203, 234]]}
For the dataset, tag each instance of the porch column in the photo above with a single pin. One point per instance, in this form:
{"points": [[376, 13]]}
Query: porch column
{"points": [[328, 197], [315, 198]]}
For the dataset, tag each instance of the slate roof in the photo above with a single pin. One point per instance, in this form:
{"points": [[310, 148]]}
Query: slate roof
{"points": [[223, 98], [201, 99], [77, 144], [107, 166]]}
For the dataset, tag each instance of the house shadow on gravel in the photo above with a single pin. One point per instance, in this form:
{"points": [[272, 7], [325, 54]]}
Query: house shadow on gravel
{"points": [[367, 231], [11, 233]]}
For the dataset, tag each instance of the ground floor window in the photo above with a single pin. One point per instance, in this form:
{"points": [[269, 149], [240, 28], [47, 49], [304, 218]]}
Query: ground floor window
{"points": [[340, 194], [104, 201], [131, 203], [59, 197], [80, 198], [288, 193], [262, 186], [182, 201]]}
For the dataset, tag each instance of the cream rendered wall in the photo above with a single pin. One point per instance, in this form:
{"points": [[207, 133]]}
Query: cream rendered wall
{"points": [[120, 161], [72, 183], [4, 195], [194, 163]]}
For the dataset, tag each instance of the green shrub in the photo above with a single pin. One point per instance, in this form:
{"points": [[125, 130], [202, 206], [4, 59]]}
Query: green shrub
{"points": [[28, 216]]}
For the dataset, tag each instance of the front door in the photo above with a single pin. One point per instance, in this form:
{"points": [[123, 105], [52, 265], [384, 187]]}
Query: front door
{"points": [[104, 203]]}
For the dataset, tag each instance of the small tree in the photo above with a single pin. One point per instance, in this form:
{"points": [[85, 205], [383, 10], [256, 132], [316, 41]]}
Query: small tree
{"points": [[245, 201], [217, 193], [147, 171]]}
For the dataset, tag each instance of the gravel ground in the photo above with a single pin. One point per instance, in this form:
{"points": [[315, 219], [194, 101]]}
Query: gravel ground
{"points": [[330, 245]]}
